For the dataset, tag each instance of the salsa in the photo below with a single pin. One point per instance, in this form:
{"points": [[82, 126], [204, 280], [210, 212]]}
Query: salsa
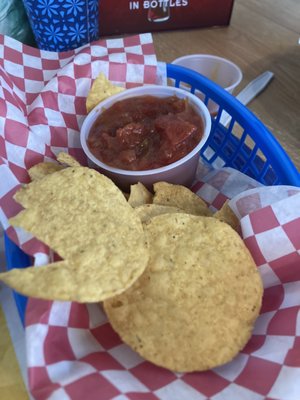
{"points": [[145, 132]]}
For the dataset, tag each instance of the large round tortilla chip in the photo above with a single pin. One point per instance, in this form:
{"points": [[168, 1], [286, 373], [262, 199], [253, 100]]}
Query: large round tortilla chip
{"points": [[84, 217], [195, 305]]}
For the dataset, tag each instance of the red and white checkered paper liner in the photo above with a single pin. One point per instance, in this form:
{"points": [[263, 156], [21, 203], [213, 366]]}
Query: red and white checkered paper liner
{"points": [[72, 351]]}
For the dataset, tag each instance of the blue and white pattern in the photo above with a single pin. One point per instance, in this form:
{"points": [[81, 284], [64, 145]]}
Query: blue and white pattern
{"points": [[60, 25]]}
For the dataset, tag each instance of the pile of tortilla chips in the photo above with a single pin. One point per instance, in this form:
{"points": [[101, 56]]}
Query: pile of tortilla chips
{"points": [[178, 284]]}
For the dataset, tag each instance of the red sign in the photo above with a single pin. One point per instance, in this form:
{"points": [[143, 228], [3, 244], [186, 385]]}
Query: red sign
{"points": [[137, 16]]}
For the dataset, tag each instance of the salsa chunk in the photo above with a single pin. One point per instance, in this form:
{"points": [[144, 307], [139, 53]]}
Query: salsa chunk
{"points": [[145, 132]]}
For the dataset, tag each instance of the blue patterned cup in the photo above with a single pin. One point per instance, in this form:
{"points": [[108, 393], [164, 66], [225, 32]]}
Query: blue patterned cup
{"points": [[60, 25]]}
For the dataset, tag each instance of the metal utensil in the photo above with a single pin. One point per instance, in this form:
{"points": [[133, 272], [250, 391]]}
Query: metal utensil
{"points": [[249, 92]]}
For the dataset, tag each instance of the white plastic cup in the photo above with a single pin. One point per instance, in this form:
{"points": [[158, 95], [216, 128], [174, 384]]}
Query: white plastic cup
{"points": [[220, 70], [181, 172]]}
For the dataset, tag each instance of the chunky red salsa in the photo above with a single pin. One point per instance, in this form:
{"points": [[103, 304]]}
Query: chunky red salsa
{"points": [[145, 132]]}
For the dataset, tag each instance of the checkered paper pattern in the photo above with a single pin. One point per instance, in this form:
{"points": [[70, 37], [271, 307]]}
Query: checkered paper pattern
{"points": [[42, 105], [72, 349]]}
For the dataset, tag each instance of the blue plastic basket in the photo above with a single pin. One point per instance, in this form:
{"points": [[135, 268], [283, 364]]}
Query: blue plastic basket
{"points": [[246, 145]]}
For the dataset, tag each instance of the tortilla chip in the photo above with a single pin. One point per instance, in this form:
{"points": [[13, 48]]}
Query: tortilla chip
{"points": [[86, 220], [139, 195], [195, 305], [67, 159], [179, 196], [101, 89], [148, 211], [226, 214], [40, 170]]}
